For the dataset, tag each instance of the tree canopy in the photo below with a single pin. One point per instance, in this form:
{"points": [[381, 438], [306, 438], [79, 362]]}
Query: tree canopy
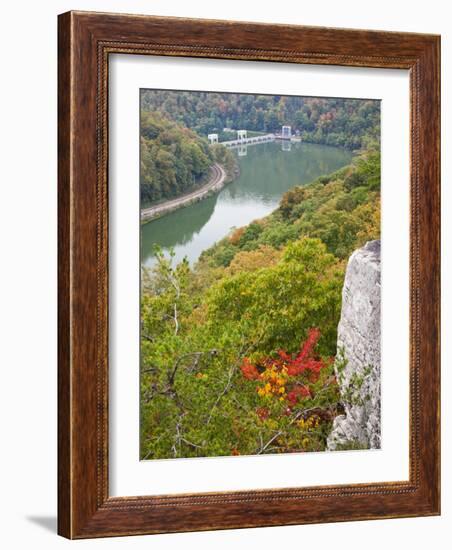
{"points": [[238, 351], [173, 158], [350, 123]]}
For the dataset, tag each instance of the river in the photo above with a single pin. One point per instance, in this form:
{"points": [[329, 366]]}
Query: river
{"points": [[266, 172]]}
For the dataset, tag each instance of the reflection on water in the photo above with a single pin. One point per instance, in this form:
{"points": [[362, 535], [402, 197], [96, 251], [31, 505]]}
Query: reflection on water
{"points": [[266, 172], [286, 146]]}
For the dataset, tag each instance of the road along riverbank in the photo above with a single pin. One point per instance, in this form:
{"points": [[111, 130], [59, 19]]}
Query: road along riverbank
{"points": [[216, 182]]}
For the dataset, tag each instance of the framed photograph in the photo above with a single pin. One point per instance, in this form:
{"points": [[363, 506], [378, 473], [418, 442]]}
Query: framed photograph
{"points": [[248, 275]]}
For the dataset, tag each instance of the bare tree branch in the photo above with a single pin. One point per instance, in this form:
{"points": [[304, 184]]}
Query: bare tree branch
{"points": [[190, 443], [176, 322], [279, 433], [197, 356]]}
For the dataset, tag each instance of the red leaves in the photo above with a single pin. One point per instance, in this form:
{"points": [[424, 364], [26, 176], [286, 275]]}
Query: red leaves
{"points": [[298, 393], [303, 361], [309, 345], [298, 367], [284, 356], [249, 371], [280, 375]]}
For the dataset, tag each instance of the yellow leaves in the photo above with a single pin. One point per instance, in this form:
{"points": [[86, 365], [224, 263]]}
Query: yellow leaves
{"points": [[272, 424], [275, 383], [310, 424], [269, 390], [275, 376]]}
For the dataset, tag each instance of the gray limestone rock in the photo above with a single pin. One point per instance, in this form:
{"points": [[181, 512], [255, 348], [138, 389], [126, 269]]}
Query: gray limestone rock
{"points": [[358, 349]]}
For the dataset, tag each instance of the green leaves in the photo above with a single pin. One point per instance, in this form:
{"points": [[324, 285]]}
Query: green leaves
{"points": [[173, 158], [281, 302], [346, 123], [258, 291]]}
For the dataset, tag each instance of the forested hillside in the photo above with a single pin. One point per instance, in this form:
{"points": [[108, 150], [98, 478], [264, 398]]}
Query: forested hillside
{"points": [[341, 209], [346, 123], [174, 158], [238, 352]]}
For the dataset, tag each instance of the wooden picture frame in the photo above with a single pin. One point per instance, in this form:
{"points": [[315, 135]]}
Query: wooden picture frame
{"points": [[85, 42]]}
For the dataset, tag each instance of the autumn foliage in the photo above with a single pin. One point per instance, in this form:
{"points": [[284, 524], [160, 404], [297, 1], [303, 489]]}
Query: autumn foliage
{"points": [[231, 363], [287, 377], [299, 388]]}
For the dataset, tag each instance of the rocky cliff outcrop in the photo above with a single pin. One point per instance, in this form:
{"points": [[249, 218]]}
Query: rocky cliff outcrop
{"points": [[358, 353]]}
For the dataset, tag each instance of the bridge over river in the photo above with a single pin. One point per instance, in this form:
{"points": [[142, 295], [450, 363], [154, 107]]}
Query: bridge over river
{"points": [[248, 140]]}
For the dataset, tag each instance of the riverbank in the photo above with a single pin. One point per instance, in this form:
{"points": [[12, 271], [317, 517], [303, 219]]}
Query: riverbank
{"points": [[216, 182], [266, 173], [243, 266]]}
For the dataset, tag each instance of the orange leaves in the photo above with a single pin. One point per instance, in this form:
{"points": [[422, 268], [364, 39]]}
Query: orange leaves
{"points": [[236, 235]]}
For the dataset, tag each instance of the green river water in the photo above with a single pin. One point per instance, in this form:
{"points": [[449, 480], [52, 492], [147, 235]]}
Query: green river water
{"points": [[266, 172]]}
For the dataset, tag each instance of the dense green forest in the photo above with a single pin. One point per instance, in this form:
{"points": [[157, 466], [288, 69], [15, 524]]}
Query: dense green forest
{"points": [[174, 159], [238, 351], [349, 123], [340, 209]]}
